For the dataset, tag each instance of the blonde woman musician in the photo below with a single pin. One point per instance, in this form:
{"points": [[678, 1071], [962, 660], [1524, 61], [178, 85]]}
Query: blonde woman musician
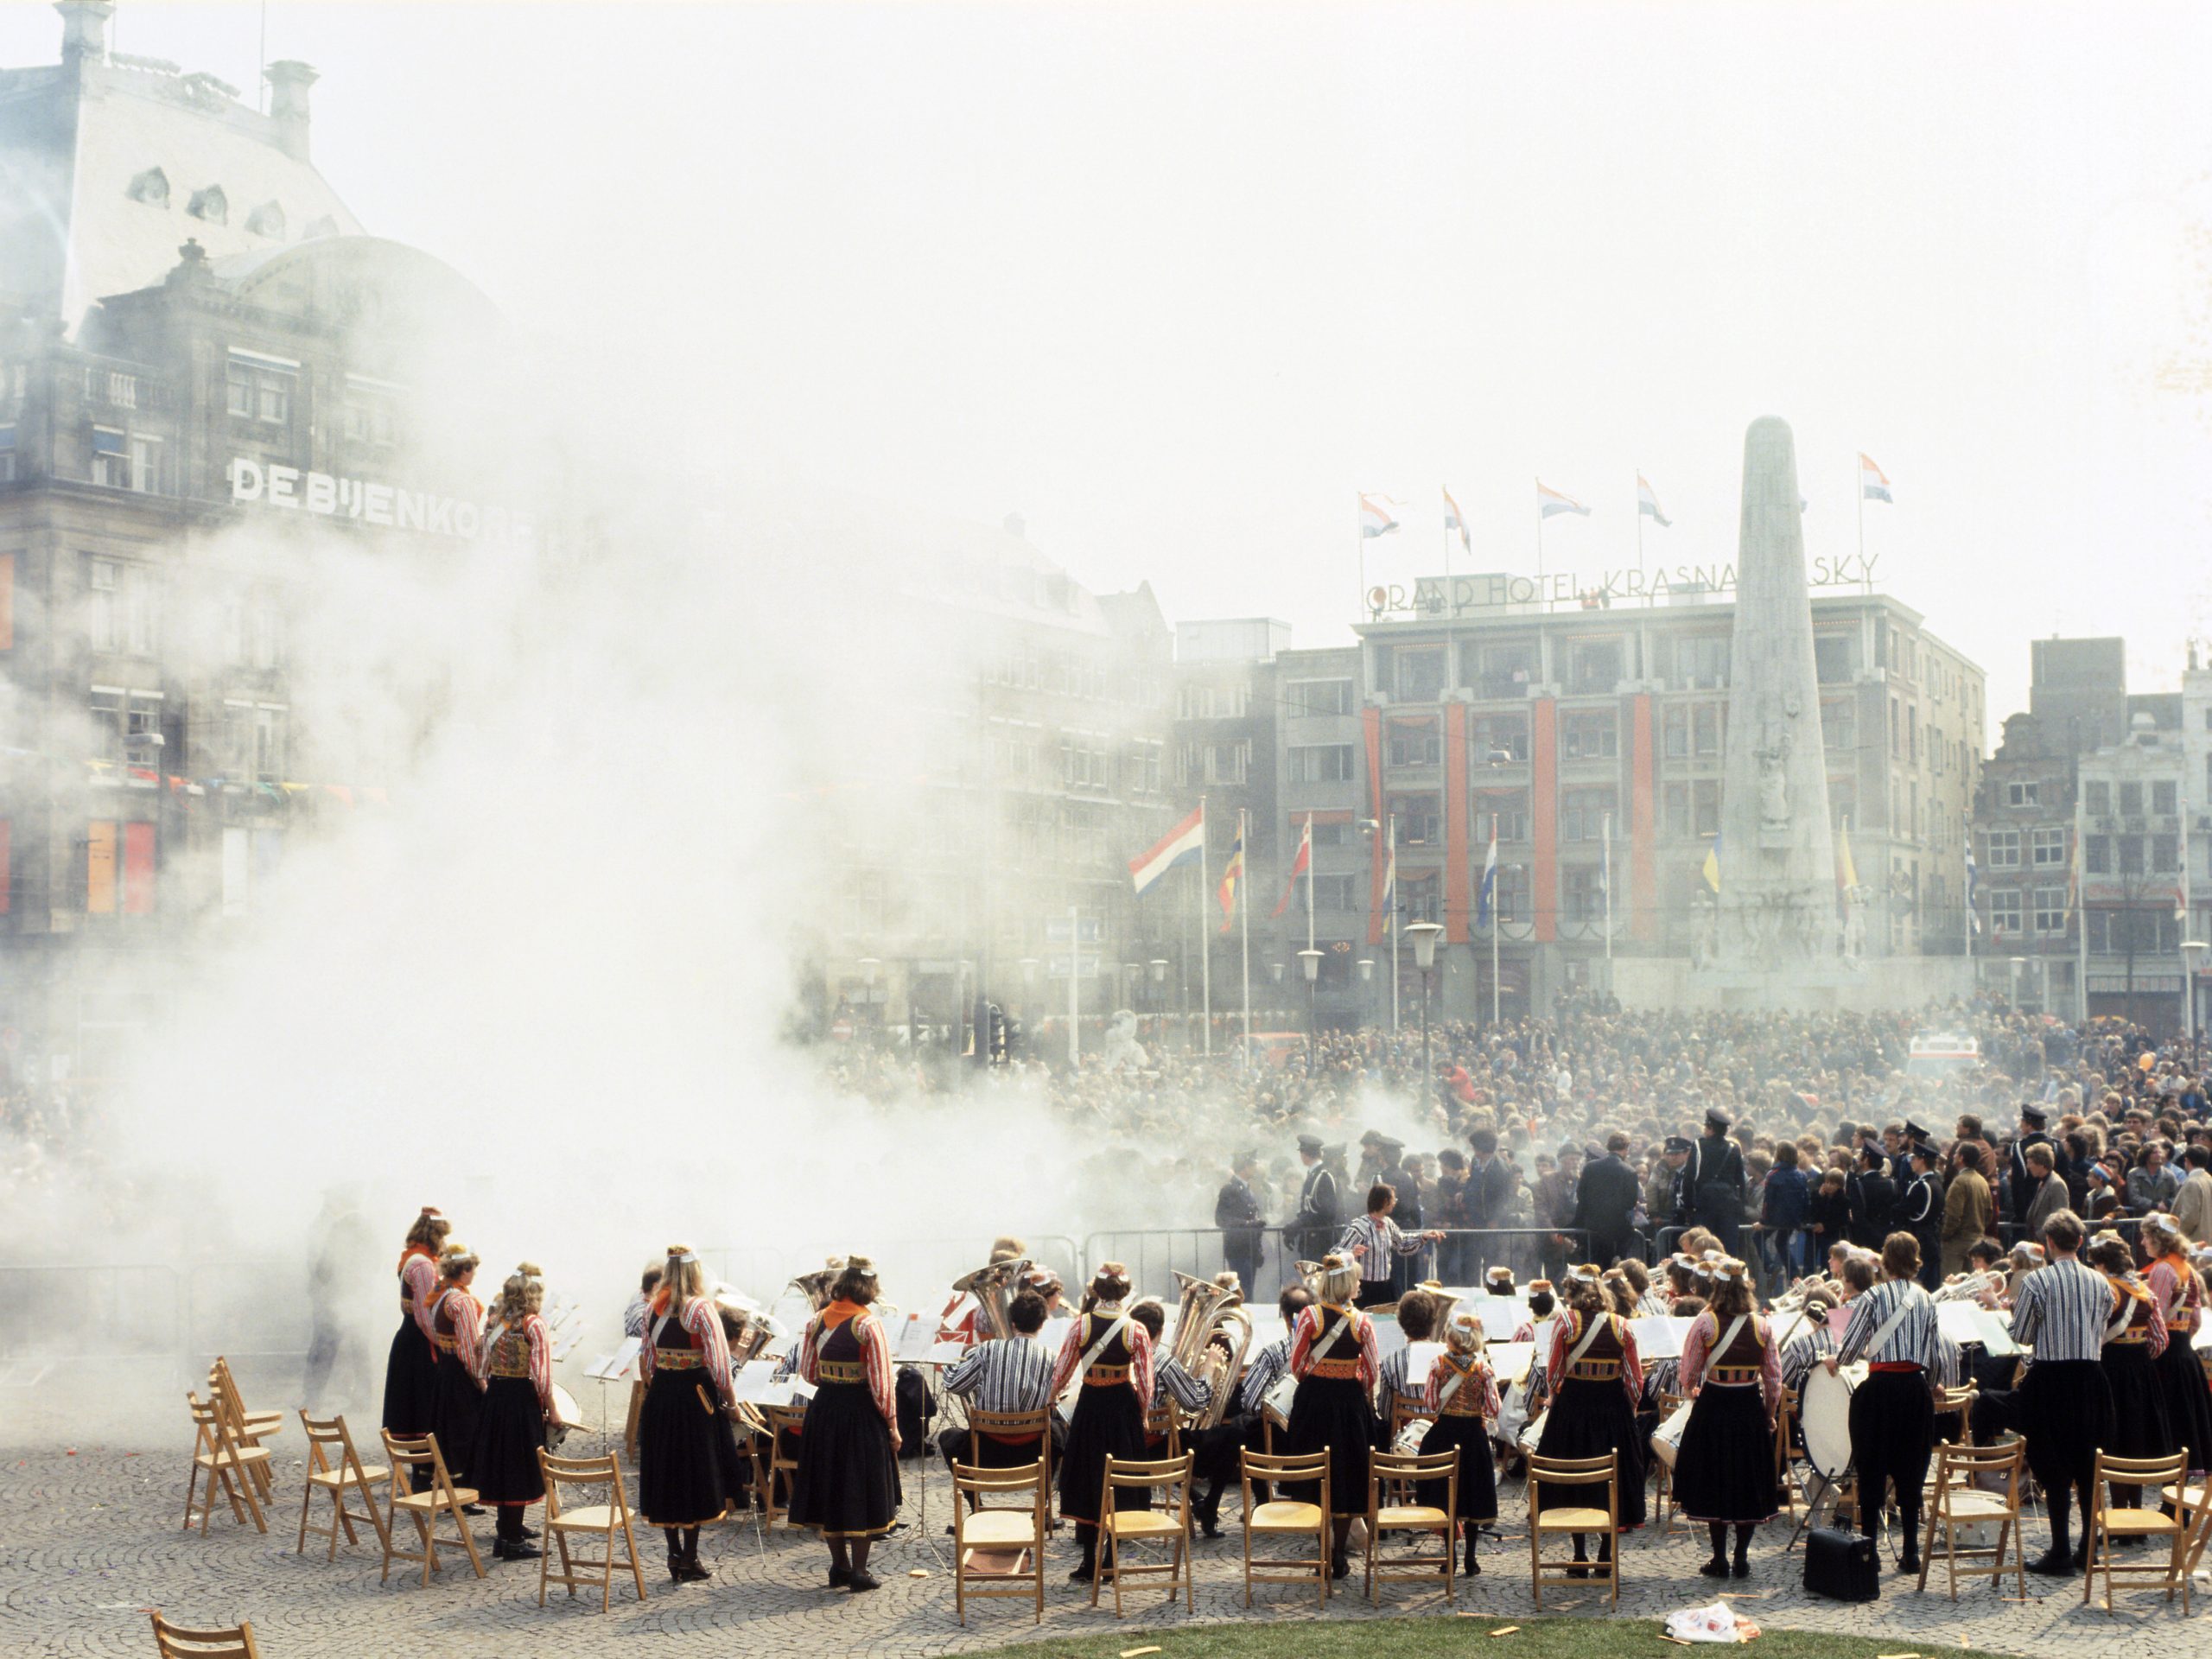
{"points": [[1724, 1472], [846, 1487], [410, 1375], [1599, 1383], [683, 1465], [2179, 1291], [514, 1364], [456, 1328], [1334, 1357], [1463, 1392]]}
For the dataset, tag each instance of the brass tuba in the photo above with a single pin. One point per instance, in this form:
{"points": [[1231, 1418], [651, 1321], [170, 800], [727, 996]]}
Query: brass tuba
{"points": [[992, 1288], [1213, 1334], [814, 1286]]}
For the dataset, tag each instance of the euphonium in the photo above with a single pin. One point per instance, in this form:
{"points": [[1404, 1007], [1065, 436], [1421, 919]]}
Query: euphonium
{"points": [[1210, 1319], [992, 1288], [814, 1286]]}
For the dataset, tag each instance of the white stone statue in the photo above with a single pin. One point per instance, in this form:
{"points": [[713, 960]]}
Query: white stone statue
{"points": [[1855, 901], [1122, 1047]]}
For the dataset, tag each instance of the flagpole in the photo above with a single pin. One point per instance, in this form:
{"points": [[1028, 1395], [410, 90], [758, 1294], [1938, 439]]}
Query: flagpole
{"points": [[1447, 567], [1539, 544], [2082, 929], [1639, 521], [1205, 944], [1861, 481], [1493, 946], [1360, 530], [1244, 913]]}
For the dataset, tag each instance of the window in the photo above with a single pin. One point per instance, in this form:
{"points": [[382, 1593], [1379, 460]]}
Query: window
{"points": [[2050, 909], [1582, 893], [1338, 892], [2130, 855], [1419, 673], [1594, 665], [1835, 658], [2096, 855], [123, 607], [1500, 738], [151, 187], [1326, 835], [210, 205], [1583, 813], [2047, 848], [1838, 724], [1321, 763], [1416, 743], [367, 417], [1589, 734], [146, 466], [1511, 890], [1708, 722], [1201, 702], [268, 220], [1675, 732], [1420, 820], [2024, 792], [1674, 810], [110, 458], [1509, 807], [2165, 855], [1704, 807], [256, 391], [8, 453], [2131, 800], [2164, 799], [238, 382], [1701, 662], [254, 740], [2004, 910], [1422, 898], [1507, 669], [2096, 798], [1312, 698], [2004, 849]]}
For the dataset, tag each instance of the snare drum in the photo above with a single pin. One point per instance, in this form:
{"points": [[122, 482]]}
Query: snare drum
{"points": [[563, 1420], [1532, 1437], [1409, 1437], [1275, 1406], [1667, 1438], [1824, 1412]]}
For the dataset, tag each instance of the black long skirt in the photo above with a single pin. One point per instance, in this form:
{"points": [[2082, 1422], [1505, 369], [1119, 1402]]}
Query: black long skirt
{"points": [[685, 1451], [510, 1433], [2188, 1402], [1331, 1413], [1725, 1470], [848, 1481], [1590, 1416], [2065, 1415], [410, 1382], [1108, 1423], [1477, 1472], [2140, 1425], [457, 1409]]}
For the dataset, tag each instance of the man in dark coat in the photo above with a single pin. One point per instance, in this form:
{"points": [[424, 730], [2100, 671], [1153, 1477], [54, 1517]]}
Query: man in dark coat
{"points": [[1606, 1201], [1920, 1212], [1873, 1199], [1715, 1181], [1313, 1230], [2019, 1188], [1236, 1212], [1490, 1196]]}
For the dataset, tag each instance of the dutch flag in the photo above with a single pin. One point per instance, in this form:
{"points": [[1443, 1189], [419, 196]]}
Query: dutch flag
{"points": [[1373, 519], [1550, 501], [1454, 519], [1646, 502], [1487, 892], [1185, 842], [1873, 482]]}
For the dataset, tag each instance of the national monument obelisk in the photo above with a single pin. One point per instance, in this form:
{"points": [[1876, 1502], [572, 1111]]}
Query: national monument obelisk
{"points": [[1777, 901]]}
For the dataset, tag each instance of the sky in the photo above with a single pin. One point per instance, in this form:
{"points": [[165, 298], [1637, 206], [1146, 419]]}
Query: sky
{"points": [[1176, 282]]}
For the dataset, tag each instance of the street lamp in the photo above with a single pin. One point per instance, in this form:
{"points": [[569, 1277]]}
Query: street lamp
{"points": [[1310, 960], [867, 966], [1424, 936], [2192, 957]]}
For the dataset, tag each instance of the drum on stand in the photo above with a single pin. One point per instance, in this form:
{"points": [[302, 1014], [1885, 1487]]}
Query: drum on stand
{"points": [[563, 1420], [1824, 1413], [1409, 1437], [1274, 1405], [1667, 1438], [1532, 1435]]}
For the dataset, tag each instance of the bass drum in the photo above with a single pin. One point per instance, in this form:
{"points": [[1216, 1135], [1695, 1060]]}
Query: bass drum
{"points": [[1824, 1412], [1667, 1438]]}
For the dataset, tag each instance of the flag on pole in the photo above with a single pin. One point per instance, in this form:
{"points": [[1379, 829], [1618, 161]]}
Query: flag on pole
{"points": [[1646, 502], [1550, 501], [1454, 519], [1486, 895], [1873, 482], [1230, 875], [1391, 892], [1374, 520], [2074, 881], [1185, 842], [1846, 872], [1713, 864], [1973, 887], [1299, 866]]}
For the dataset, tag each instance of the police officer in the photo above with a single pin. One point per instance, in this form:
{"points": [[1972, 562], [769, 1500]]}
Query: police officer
{"points": [[2019, 1185], [1313, 1229], [1920, 1212], [1714, 1180], [1236, 1212]]}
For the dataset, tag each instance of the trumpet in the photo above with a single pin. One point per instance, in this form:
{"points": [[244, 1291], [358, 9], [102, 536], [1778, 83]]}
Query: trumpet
{"points": [[1212, 1335], [1971, 1287]]}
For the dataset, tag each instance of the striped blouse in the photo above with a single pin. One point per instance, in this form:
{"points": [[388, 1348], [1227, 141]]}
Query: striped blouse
{"points": [[458, 1313], [1306, 1335], [1697, 1352], [1375, 1240], [1133, 1336], [525, 1351], [1169, 1378], [1392, 1386], [1481, 1386], [419, 1274], [2061, 1311], [1261, 1372], [703, 1325], [1913, 1341], [1013, 1375], [875, 1353]]}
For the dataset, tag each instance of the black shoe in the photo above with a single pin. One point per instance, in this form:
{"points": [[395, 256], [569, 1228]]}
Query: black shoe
{"points": [[1580, 1570], [1715, 1568], [1742, 1569], [2080, 1554], [515, 1549], [2053, 1563], [1910, 1566], [840, 1577], [528, 1532], [1081, 1573], [472, 1509], [1208, 1527], [862, 1580], [675, 1573], [1341, 1567], [689, 1572], [1473, 1569]]}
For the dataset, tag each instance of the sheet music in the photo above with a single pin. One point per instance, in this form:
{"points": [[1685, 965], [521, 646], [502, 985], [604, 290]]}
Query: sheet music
{"points": [[916, 1336], [1784, 1327], [1996, 1337], [1511, 1361], [1055, 1333], [1421, 1359], [1656, 1337], [1501, 1316], [1956, 1321], [755, 1385], [620, 1365]]}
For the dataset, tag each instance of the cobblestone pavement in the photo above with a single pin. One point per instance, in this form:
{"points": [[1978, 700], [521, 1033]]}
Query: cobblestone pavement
{"points": [[90, 1540]]}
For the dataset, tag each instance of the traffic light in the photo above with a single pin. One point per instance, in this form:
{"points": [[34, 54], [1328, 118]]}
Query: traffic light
{"points": [[1012, 1037], [998, 1035]]}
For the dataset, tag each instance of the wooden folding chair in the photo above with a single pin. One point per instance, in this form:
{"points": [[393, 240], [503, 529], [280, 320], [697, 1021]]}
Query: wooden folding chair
{"points": [[429, 1497], [1785, 1419], [1394, 1504], [782, 1465], [1958, 1404], [2146, 1476], [329, 1439], [216, 1455], [1120, 1527], [1975, 1485], [630, 1423], [1551, 1523], [1282, 1518], [984, 1533], [1163, 1426], [248, 1427], [2192, 1505], [1669, 1404], [174, 1641], [601, 1520]]}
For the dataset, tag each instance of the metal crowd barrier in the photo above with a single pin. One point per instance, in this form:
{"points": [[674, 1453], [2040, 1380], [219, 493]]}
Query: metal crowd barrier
{"points": [[68, 1311]]}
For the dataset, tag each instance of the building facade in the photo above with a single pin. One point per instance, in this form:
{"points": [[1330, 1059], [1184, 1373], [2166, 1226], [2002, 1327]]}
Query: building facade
{"points": [[2028, 946], [2135, 896]]}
